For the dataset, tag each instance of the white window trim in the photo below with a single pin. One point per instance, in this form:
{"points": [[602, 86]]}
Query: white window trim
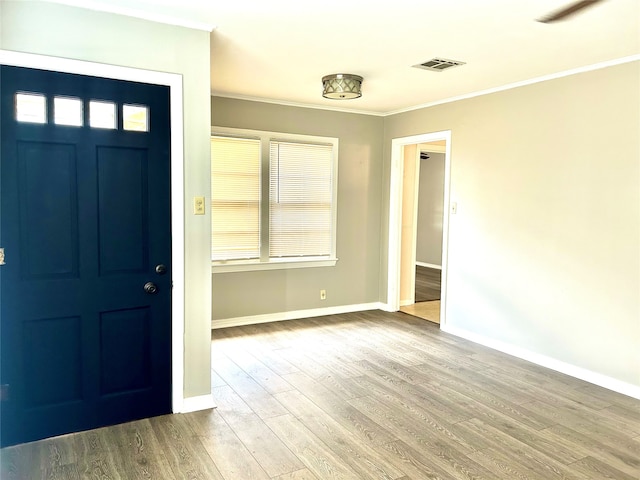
{"points": [[289, 262]]}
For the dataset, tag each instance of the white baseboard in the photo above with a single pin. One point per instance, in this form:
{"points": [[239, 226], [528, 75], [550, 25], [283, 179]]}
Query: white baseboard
{"points": [[386, 307], [293, 315], [548, 362], [404, 303], [195, 404], [429, 265]]}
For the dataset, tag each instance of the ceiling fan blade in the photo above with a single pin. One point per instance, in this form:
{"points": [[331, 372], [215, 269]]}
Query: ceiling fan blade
{"points": [[568, 11]]}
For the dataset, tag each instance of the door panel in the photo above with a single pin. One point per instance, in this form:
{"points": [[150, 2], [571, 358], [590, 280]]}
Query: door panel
{"points": [[122, 202], [125, 351], [85, 218], [47, 172], [52, 358]]}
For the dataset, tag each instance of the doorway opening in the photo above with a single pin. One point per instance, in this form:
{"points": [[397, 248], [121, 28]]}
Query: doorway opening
{"points": [[418, 225], [420, 285]]}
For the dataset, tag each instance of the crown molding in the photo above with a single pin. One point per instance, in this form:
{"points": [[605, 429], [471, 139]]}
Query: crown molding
{"points": [[531, 81], [296, 104], [479, 93]]}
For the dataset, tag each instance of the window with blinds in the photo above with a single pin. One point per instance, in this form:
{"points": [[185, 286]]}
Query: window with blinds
{"points": [[296, 208], [235, 198], [300, 199]]}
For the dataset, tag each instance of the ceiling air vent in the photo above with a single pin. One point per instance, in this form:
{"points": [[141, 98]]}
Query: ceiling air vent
{"points": [[439, 64]]}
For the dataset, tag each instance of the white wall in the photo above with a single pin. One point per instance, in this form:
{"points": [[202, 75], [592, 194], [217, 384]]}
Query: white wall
{"points": [[430, 210], [544, 252], [68, 32]]}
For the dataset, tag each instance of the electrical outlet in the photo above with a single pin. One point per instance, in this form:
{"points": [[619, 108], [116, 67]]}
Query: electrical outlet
{"points": [[198, 205], [323, 294]]}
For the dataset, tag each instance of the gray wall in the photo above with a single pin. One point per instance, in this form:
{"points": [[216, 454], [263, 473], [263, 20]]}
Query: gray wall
{"points": [[544, 251], [355, 278], [68, 32], [430, 205]]}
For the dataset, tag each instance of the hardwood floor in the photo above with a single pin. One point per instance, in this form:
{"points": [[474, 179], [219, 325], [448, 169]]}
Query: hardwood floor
{"points": [[427, 284], [424, 310], [368, 395]]}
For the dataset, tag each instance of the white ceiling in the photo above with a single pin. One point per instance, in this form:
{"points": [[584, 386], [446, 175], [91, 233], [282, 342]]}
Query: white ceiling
{"points": [[278, 50]]}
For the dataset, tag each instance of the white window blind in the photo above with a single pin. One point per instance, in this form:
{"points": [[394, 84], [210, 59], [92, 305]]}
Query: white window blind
{"points": [[300, 199], [235, 198]]}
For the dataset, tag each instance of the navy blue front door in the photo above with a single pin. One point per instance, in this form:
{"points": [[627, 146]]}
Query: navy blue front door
{"points": [[85, 294]]}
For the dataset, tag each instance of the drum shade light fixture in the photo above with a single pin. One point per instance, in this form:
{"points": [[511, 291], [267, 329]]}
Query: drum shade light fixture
{"points": [[341, 86]]}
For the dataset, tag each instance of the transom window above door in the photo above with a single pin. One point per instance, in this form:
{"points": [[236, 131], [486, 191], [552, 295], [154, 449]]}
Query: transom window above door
{"points": [[36, 108]]}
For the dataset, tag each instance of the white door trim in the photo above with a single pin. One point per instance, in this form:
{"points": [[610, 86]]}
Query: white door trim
{"points": [[395, 217], [414, 228], [174, 82]]}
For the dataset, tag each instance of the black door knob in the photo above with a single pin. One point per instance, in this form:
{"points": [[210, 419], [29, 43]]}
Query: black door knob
{"points": [[150, 288], [161, 269]]}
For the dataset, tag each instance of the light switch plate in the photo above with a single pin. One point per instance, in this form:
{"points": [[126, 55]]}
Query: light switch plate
{"points": [[198, 205]]}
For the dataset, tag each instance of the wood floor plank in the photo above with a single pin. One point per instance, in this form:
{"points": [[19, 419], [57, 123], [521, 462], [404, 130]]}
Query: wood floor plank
{"points": [[377, 340], [351, 418], [305, 363], [594, 468], [303, 474], [186, 456], [408, 328], [342, 387], [552, 393], [96, 457], [589, 445], [266, 378], [416, 465], [532, 373], [19, 462], [443, 356], [479, 399], [361, 457], [502, 467], [421, 418], [610, 397], [446, 449], [418, 396], [278, 363], [62, 472], [231, 457], [557, 448], [139, 450], [380, 367], [316, 456], [627, 417], [255, 396], [216, 380], [427, 283], [56, 452], [608, 431], [272, 455], [544, 467], [262, 348], [475, 380]]}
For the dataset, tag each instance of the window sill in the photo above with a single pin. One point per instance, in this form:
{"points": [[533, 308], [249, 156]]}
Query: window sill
{"points": [[253, 265]]}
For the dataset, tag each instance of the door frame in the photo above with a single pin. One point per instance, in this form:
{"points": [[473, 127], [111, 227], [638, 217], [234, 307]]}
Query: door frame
{"points": [[395, 217], [174, 82]]}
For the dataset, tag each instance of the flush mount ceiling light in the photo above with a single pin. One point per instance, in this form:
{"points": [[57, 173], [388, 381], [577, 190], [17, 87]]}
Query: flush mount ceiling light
{"points": [[341, 86]]}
